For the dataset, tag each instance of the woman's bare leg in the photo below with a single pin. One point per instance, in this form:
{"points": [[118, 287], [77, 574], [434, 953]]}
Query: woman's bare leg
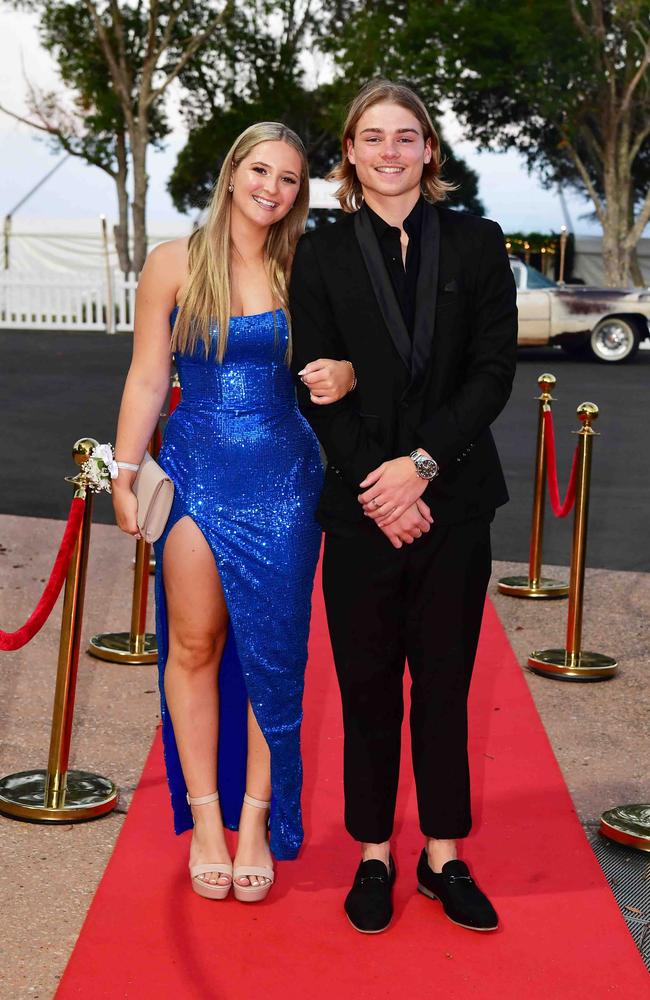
{"points": [[253, 846], [198, 623]]}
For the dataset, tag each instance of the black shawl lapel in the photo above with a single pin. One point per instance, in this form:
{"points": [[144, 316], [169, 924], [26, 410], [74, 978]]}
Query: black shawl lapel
{"points": [[382, 286], [426, 292]]}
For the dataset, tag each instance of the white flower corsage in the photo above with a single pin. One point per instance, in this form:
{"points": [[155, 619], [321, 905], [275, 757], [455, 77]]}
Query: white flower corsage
{"points": [[101, 467]]}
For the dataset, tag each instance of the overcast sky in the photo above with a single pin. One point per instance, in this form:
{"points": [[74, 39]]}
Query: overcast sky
{"points": [[79, 192]]}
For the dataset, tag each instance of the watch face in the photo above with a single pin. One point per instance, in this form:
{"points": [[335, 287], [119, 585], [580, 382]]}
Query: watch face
{"points": [[426, 467]]}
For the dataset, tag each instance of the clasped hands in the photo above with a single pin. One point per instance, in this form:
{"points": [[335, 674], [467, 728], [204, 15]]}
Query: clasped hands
{"points": [[392, 498], [393, 491]]}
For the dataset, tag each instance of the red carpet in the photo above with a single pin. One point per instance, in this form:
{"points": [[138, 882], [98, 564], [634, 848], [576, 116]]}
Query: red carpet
{"points": [[148, 936]]}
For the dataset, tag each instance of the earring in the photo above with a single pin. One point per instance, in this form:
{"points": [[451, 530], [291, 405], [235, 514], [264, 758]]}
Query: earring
{"points": [[231, 187]]}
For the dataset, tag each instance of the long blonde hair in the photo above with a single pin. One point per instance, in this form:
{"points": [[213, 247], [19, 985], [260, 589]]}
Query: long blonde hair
{"points": [[206, 300], [349, 192]]}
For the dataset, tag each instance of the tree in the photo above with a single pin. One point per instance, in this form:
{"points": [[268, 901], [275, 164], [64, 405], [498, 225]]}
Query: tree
{"points": [[261, 77], [86, 120], [119, 60], [566, 83]]}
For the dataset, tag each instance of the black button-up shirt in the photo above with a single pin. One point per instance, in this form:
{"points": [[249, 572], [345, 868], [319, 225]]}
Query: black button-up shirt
{"points": [[403, 275]]}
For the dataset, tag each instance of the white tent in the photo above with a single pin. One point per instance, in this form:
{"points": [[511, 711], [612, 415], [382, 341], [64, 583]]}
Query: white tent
{"points": [[59, 246]]}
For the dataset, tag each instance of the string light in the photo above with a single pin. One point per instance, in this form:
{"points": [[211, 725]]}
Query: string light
{"points": [[545, 245]]}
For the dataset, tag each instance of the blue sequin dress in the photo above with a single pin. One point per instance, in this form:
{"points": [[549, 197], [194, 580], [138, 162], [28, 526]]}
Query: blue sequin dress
{"points": [[246, 468]]}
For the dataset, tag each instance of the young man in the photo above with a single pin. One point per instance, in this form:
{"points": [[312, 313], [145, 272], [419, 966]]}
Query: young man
{"points": [[421, 301]]}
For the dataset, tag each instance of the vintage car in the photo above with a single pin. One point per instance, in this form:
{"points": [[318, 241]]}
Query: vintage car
{"points": [[604, 323]]}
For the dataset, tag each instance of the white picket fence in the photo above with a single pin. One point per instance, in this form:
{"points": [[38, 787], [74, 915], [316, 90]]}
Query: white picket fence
{"points": [[89, 301]]}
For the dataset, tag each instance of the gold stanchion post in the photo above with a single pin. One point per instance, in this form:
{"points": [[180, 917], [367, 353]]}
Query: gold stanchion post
{"points": [[535, 585], [136, 646], [628, 825], [574, 663], [57, 795]]}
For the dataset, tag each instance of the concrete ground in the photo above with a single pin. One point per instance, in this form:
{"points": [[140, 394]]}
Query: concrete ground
{"points": [[48, 874]]}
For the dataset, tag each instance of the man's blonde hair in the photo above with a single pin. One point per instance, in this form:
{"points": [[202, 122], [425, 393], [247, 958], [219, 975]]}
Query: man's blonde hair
{"points": [[349, 193]]}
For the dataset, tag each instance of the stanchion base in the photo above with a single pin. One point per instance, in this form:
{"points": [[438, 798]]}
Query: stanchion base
{"points": [[152, 563], [560, 665], [519, 586], [22, 796], [628, 825], [116, 647]]}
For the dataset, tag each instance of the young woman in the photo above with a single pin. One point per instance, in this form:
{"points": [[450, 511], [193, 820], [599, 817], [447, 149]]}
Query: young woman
{"points": [[236, 561]]}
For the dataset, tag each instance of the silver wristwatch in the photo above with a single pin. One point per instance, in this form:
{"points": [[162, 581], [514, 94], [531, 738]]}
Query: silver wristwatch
{"points": [[426, 468]]}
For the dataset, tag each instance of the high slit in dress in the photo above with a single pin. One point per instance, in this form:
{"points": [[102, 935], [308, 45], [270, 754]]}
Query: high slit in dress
{"points": [[246, 469]]}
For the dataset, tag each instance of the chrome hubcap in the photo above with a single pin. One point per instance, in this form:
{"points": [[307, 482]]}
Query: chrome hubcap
{"points": [[612, 340]]}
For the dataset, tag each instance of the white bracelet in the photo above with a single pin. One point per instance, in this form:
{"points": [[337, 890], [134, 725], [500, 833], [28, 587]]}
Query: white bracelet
{"points": [[127, 465]]}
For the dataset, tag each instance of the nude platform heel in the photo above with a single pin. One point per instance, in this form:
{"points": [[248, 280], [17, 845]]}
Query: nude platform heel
{"points": [[253, 893], [202, 888]]}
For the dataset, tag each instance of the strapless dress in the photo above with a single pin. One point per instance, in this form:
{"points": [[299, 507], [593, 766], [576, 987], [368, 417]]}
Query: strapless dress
{"points": [[246, 468]]}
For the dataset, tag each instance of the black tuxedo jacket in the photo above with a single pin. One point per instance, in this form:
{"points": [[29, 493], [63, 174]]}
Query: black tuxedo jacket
{"points": [[441, 391]]}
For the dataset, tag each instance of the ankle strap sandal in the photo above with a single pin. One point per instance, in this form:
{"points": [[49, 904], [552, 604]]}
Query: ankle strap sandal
{"points": [[253, 893], [199, 885]]}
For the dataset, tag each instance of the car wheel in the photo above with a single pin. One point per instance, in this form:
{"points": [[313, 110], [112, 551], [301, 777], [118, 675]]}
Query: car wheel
{"points": [[614, 340]]}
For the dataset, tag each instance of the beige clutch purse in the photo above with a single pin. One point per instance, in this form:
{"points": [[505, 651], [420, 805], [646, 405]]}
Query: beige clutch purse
{"points": [[155, 492]]}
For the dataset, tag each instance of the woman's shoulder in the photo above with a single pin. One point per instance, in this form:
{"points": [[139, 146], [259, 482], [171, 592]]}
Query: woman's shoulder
{"points": [[166, 267], [171, 253]]}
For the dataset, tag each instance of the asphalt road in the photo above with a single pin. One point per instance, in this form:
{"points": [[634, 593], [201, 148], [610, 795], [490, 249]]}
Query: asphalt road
{"points": [[57, 387]]}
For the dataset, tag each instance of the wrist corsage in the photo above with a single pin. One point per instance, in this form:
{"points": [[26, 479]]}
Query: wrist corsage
{"points": [[101, 468]]}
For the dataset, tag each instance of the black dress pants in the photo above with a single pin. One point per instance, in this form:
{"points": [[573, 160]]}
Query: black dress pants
{"points": [[422, 603]]}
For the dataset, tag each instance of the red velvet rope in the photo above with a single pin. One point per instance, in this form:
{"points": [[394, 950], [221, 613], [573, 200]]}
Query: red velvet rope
{"points": [[40, 614], [559, 509], [174, 398]]}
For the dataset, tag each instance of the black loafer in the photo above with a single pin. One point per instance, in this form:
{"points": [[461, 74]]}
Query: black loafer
{"points": [[461, 898], [369, 903]]}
